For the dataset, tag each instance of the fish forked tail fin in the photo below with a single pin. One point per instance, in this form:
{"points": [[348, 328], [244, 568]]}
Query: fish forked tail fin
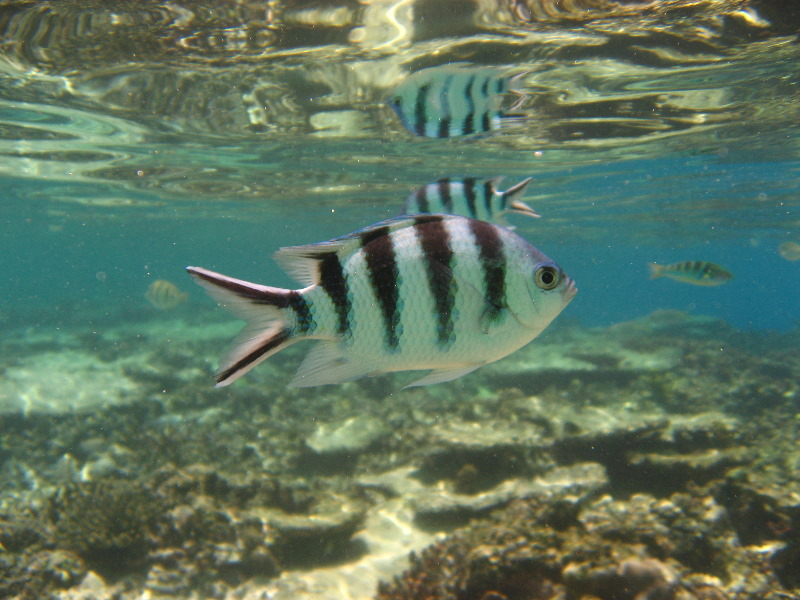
{"points": [[511, 200], [656, 271], [267, 330]]}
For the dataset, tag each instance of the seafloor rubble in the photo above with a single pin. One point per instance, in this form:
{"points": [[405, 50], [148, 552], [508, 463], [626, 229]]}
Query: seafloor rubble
{"points": [[652, 460]]}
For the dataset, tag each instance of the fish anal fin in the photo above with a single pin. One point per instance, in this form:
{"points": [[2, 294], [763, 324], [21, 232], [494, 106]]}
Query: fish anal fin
{"points": [[326, 364], [442, 375]]}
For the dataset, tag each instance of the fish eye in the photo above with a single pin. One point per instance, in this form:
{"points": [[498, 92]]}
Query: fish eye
{"points": [[546, 277]]}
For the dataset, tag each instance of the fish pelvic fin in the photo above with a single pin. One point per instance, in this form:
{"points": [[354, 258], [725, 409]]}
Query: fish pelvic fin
{"points": [[511, 200], [267, 330], [656, 271]]}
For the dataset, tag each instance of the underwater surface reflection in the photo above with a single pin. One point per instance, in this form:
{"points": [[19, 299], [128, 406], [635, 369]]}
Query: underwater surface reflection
{"points": [[643, 447]]}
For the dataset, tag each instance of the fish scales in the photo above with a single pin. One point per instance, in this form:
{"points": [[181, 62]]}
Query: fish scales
{"points": [[437, 257], [333, 282], [434, 292], [493, 266], [379, 254]]}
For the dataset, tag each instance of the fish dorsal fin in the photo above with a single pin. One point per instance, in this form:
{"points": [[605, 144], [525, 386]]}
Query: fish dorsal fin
{"points": [[302, 263], [442, 375]]}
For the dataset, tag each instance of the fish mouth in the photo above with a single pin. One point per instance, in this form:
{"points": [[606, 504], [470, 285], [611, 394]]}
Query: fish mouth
{"points": [[569, 291]]}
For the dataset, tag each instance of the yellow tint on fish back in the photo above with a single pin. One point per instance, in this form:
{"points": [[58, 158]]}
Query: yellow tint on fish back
{"points": [[164, 295]]}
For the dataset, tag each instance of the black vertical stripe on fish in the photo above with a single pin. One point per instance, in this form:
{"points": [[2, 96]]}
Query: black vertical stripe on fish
{"points": [[435, 243], [444, 127], [485, 88], [421, 197], [488, 195], [469, 125], [486, 122], [384, 277], [445, 108], [276, 340], [420, 109], [469, 192], [305, 320], [445, 195], [332, 280], [493, 262]]}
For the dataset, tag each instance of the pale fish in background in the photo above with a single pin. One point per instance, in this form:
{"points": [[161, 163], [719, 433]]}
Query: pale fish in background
{"points": [[470, 197], [789, 250], [696, 272], [456, 100], [164, 295], [441, 293]]}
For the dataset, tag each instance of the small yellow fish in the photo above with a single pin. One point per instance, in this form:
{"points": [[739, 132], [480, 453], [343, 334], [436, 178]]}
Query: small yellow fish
{"points": [[696, 272], [789, 250], [164, 295]]}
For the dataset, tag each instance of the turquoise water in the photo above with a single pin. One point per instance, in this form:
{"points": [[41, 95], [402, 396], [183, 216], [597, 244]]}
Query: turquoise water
{"points": [[137, 138]]}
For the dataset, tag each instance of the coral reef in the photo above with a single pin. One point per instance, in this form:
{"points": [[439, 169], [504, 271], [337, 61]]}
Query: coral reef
{"points": [[636, 463]]}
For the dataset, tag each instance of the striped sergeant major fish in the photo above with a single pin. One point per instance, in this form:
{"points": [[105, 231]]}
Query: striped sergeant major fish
{"points": [[696, 272], [428, 292], [455, 100], [470, 197]]}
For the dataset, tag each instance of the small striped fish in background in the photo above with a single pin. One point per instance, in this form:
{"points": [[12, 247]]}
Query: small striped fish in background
{"points": [[164, 295], [789, 250], [431, 292], [470, 197], [455, 100], [696, 272]]}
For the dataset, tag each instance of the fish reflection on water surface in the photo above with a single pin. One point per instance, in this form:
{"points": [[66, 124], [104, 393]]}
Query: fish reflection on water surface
{"points": [[455, 100], [429, 292]]}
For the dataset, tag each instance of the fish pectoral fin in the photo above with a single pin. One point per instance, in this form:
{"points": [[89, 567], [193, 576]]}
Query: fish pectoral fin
{"points": [[491, 317], [473, 294], [442, 375], [326, 364]]}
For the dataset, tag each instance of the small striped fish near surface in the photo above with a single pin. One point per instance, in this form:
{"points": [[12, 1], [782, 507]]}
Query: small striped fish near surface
{"points": [[470, 197], [696, 272], [431, 292], [455, 100]]}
